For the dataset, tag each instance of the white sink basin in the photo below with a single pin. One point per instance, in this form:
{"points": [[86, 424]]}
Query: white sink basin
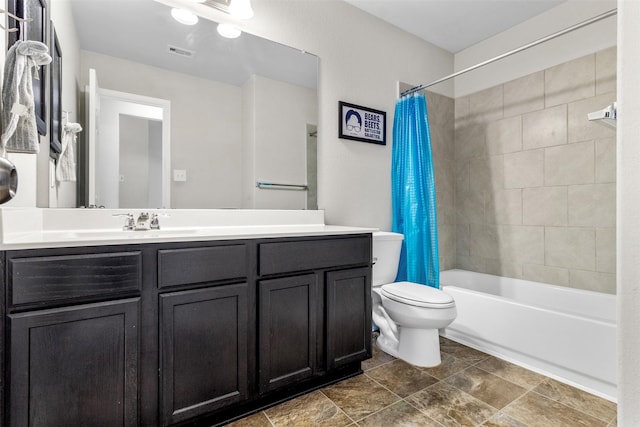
{"points": [[123, 234]]}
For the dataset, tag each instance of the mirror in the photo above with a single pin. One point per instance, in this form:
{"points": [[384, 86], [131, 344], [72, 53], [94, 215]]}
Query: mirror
{"points": [[242, 111]]}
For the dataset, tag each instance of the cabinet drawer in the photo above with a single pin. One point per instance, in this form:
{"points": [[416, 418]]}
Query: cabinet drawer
{"points": [[201, 265], [73, 277], [282, 257]]}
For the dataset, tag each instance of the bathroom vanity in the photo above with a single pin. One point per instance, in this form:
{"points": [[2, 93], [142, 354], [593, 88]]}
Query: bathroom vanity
{"points": [[179, 329]]}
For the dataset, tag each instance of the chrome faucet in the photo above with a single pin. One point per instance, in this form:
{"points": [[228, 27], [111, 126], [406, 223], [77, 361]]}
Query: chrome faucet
{"points": [[143, 222]]}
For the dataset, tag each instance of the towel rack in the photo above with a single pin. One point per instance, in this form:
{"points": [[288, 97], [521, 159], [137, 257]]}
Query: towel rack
{"points": [[275, 186], [17, 18]]}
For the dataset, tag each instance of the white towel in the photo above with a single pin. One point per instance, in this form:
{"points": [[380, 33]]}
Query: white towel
{"points": [[66, 166], [20, 131]]}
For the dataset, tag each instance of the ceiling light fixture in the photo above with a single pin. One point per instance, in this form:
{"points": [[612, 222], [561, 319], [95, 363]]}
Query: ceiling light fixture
{"points": [[229, 31], [184, 16], [241, 9]]}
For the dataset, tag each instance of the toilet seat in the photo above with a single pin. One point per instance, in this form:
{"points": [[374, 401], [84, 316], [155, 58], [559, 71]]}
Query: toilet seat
{"points": [[417, 295]]}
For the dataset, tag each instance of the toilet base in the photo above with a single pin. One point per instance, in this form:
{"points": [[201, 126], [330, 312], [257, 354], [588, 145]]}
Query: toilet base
{"points": [[420, 347]]}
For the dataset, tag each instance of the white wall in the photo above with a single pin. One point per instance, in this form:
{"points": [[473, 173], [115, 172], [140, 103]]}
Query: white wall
{"points": [[576, 44], [628, 205], [275, 136]]}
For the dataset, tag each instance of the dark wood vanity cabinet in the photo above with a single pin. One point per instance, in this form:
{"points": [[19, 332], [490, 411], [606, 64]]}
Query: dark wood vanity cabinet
{"points": [[204, 341], [348, 302], [72, 349], [179, 333], [288, 329], [74, 363], [206, 328], [316, 315]]}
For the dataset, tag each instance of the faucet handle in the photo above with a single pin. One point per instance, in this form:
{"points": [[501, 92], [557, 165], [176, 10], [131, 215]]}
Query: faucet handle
{"points": [[155, 223], [155, 219], [129, 222]]}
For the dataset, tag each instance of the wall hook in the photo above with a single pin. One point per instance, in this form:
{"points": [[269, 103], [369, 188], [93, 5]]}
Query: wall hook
{"points": [[17, 18]]}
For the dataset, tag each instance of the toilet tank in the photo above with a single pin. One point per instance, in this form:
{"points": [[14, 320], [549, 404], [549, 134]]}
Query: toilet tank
{"points": [[386, 255]]}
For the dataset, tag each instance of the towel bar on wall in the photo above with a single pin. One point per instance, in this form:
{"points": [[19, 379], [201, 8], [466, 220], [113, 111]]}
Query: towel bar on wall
{"points": [[274, 186], [17, 18]]}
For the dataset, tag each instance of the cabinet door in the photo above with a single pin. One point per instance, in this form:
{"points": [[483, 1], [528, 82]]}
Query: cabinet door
{"points": [[348, 308], [287, 330], [75, 366], [203, 350]]}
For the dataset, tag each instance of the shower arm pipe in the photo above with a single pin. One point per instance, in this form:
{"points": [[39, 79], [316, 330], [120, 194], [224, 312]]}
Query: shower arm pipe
{"points": [[514, 51]]}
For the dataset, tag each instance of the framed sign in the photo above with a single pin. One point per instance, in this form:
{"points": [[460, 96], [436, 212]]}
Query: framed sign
{"points": [[362, 124]]}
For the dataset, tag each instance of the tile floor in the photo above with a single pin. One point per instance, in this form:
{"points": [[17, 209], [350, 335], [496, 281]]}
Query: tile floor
{"points": [[469, 388]]}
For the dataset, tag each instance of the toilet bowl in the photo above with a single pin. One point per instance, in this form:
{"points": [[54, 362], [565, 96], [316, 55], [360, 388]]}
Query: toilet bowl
{"points": [[407, 314]]}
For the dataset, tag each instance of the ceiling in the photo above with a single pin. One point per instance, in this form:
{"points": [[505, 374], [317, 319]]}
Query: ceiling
{"points": [[455, 24]]}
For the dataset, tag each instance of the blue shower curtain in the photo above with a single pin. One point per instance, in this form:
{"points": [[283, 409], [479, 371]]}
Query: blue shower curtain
{"points": [[413, 193]]}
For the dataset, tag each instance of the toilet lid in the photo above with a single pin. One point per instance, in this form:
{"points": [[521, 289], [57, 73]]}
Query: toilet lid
{"points": [[418, 295]]}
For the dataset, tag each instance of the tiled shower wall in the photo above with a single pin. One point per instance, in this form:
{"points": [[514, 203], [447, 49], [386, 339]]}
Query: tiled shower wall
{"points": [[534, 180], [441, 125]]}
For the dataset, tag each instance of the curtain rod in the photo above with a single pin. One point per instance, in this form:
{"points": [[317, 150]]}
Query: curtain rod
{"points": [[514, 51]]}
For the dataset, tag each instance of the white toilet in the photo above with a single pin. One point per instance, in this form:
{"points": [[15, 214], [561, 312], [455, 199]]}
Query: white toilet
{"points": [[408, 314]]}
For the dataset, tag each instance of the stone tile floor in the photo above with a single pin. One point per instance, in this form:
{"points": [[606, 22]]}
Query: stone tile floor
{"points": [[469, 388]]}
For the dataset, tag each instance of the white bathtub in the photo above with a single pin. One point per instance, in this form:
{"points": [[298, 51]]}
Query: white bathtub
{"points": [[567, 334]]}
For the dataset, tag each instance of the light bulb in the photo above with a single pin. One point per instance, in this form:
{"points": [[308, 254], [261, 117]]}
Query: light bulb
{"points": [[183, 16], [229, 31], [241, 9]]}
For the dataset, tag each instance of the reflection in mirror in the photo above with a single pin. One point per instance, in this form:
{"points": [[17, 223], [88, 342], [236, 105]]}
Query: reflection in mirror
{"points": [[241, 111], [132, 146], [140, 143]]}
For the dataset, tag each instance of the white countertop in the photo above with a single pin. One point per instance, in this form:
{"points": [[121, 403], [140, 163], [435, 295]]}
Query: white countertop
{"points": [[32, 228]]}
